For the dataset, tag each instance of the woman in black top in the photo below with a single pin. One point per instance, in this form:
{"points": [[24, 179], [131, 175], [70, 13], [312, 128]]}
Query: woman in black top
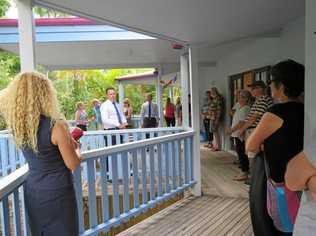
{"points": [[280, 130]]}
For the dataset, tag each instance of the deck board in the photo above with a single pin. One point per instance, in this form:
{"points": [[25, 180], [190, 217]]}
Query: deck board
{"points": [[222, 210]]}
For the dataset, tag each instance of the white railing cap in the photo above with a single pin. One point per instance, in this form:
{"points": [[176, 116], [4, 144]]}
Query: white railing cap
{"points": [[12, 181], [139, 130], [120, 131], [133, 145]]}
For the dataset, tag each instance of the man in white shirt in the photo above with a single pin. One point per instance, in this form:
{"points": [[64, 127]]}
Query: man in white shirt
{"points": [[111, 114], [149, 116]]}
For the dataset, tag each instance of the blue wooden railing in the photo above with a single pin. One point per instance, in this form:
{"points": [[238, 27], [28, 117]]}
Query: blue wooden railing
{"points": [[11, 158], [13, 217], [170, 171], [135, 122], [152, 171]]}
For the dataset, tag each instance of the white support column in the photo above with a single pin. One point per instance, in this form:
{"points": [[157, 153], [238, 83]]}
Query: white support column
{"points": [[159, 96], [170, 93], [310, 69], [26, 35], [195, 109], [121, 93], [184, 70]]}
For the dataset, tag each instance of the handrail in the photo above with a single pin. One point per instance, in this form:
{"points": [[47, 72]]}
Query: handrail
{"points": [[136, 144], [138, 130], [7, 133], [12, 181], [160, 167]]}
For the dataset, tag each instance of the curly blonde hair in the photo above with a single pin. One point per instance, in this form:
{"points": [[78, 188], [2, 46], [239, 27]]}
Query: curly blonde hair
{"points": [[27, 97]]}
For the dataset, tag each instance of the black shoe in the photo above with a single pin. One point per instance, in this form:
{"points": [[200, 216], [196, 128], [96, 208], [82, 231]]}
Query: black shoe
{"points": [[236, 162], [247, 182]]}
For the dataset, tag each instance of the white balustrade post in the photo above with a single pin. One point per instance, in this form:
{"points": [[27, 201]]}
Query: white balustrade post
{"points": [[184, 70], [26, 35], [121, 93], [310, 69], [159, 95], [194, 84]]}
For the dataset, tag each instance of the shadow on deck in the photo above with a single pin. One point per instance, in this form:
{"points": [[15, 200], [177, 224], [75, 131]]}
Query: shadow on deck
{"points": [[222, 210]]}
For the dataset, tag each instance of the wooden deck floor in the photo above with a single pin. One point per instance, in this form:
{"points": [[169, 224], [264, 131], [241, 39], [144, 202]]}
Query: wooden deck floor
{"points": [[222, 210]]}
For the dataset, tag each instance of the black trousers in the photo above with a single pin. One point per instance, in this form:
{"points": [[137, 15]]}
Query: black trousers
{"points": [[113, 138], [170, 121], [242, 156], [208, 133], [261, 222], [149, 123]]}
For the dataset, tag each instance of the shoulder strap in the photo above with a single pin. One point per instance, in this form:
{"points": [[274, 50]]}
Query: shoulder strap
{"points": [[266, 166]]}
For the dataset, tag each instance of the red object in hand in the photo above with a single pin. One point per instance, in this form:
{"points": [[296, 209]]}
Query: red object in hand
{"points": [[77, 133]]}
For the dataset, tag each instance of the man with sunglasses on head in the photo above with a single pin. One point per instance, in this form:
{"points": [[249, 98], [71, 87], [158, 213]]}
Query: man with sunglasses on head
{"points": [[262, 103], [257, 192]]}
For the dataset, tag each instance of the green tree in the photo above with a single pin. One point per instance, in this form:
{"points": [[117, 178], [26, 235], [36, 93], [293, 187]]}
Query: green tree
{"points": [[4, 7], [84, 85], [9, 67], [45, 12]]}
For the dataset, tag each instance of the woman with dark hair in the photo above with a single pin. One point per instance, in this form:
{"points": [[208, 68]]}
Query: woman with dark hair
{"points": [[280, 132], [169, 113]]}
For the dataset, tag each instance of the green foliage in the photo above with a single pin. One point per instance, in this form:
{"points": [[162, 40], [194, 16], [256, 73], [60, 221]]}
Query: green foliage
{"points": [[4, 6], [2, 123], [84, 85], [9, 67], [81, 85], [44, 12]]}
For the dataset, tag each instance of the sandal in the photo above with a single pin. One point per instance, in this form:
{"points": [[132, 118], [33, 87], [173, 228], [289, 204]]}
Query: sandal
{"points": [[213, 149], [209, 145]]}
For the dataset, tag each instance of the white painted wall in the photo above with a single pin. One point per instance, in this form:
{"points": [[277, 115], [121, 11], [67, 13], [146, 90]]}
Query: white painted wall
{"points": [[292, 41], [247, 54], [310, 73]]}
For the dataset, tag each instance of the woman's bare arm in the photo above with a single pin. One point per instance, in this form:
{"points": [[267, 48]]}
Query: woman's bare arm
{"points": [[298, 173], [268, 124], [68, 147]]}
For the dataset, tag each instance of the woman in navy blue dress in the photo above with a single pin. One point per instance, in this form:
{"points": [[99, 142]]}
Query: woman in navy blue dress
{"points": [[30, 107]]}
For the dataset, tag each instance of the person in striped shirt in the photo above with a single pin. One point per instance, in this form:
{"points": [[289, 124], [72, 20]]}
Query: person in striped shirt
{"points": [[262, 103], [260, 106]]}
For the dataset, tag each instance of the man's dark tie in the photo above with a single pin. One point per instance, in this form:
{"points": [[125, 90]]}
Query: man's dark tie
{"points": [[118, 114], [149, 110]]}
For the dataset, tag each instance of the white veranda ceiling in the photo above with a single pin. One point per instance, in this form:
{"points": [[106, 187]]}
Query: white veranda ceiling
{"points": [[198, 21]]}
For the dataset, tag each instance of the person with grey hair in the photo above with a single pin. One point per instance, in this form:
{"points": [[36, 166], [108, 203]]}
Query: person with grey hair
{"points": [[239, 118]]}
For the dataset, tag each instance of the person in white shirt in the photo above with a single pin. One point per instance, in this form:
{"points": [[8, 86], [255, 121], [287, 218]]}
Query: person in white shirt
{"points": [[239, 117], [111, 115], [149, 116], [111, 112]]}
